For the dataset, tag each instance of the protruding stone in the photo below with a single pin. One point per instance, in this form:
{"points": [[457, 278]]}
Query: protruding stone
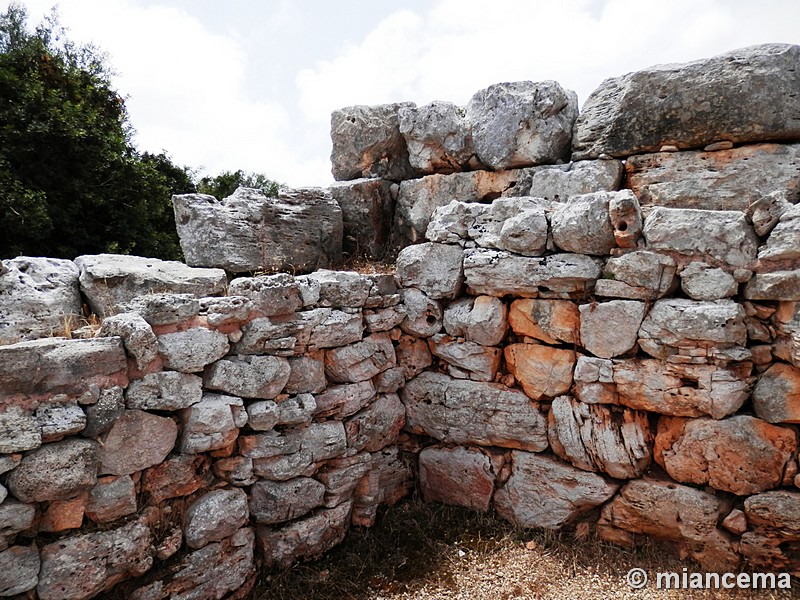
{"points": [[457, 476], [306, 374], [55, 471], [211, 424], [728, 97], [699, 281], [137, 440], [735, 522], [542, 371], [551, 321], [136, 334], [320, 440], [367, 210], [165, 390], [59, 420], [299, 231], [774, 531], [177, 476], [741, 454], [376, 426], [277, 294], [522, 124], [458, 411], [62, 515], [766, 210], [277, 501], [544, 492], [215, 516], [776, 396], [594, 381], [469, 359], [360, 361], [583, 224], [341, 289], [191, 350], [345, 400], [341, 476], [638, 275], [438, 137], [384, 319], [778, 285], [481, 320], [101, 415], [435, 269], [248, 376], [611, 328], [19, 430], [784, 241]]}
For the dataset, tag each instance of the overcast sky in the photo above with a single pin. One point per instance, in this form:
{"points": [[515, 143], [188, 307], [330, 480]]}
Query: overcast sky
{"points": [[251, 84]]}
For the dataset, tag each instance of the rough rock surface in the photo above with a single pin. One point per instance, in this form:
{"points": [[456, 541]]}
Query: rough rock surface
{"points": [[609, 329], [595, 437], [19, 570], [277, 294], [778, 285], [367, 143], [699, 281], [783, 242], [165, 390], [435, 269], [522, 124], [211, 424], [101, 415], [136, 334], [740, 454], [376, 426], [482, 320], [14, 518], [544, 492], [111, 498], [541, 370], [457, 476], [277, 501], [367, 211], [299, 231], [723, 180], [215, 516], [776, 395], [55, 471], [551, 321], [638, 275], [165, 308], [559, 182], [137, 440], [190, 350], [360, 361], [39, 297], [438, 137], [59, 420], [466, 360], [179, 475], [111, 280], [583, 223], [774, 531], [468, 412], [248, 376], [747, 95]]}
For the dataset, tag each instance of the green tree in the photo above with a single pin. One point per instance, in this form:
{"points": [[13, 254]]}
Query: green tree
{"points": [[71, 181], [224, 184]]}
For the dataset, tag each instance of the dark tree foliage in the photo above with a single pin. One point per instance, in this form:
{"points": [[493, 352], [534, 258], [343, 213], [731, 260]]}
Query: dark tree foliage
{"points": [[224, 184], [71, 181]]}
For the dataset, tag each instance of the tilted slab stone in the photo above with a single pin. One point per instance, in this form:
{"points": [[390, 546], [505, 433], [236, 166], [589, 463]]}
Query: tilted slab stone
{"points": [[388, 480], [189, 351], [277, 294], [137, 336], [211, 424], [522, 124], [747, 95], [497, 273], [638, 275], [482, 320], [367, 143], [559, 182], [471, 360], [417, 199], [662, 509], [55, 471], [215, 516], [383, 319], [596, 437], [306, 374], [438, 137], [101, 415], [376, 426], [774, 531], [741, 454], [693, 328], [776, 395], [299, 231], [786, 322], [320, 441], [345, 400], [111, 280], [360, 361], [236, 470], [722, 180], [226, 310], [766, 211], [583, 223], [551, 321], [718, 237], [783, 243], [367, 211], [458, 411], [341, 476], [544, 492], [435, 269], [165, 390], [137, 440], [116, 555], [248, 376], [594, 381], [19, 570], [609, 329], [457, 476], [542, 371], [39, 297], [687, 390], [60, 366]]}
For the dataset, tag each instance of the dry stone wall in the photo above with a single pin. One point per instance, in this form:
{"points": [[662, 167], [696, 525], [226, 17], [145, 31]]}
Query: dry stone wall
{"points": [[612, 341]]}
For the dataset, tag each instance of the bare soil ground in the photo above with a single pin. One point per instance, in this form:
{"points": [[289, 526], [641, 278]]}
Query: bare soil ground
{"points": [[428, 551]]}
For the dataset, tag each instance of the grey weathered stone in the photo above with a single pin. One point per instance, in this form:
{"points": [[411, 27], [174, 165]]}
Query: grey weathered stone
{"points": [[390, 380], [468, 412], [341, 476], [594, 381], [482, 320], [766, 210], [597, 437], [190, 350], [776, 395], [39, 297], [551, 321], [111, 498], [360, 361], [102, 414], [783, 242], [786, 322], [19, 430], [457, 476], [321, 440], [19, 570], [388, 480], [306, 374], [345, 400], [341, 289], [116, 555], [215, 516], [544, 492], [277, 501], [164, 309], [248, 376], [300, 230], [136, 334], [59, 420], [367, 210], [727, 239], [111, 280], [55, 471], [8, 462], [277, 294], [236, 470], [522, 124], [778, 285], [435, 269], [497, 273], [559, 182], [211, 424], [14, 518], [583, 223], [376, 426], [137, 440], [263, 416], [329, 328], [78, 368], [664, 510], [165, 390], [467, 360], [724, 180], [700, 281], [225, 310], [384, 319], [747, 95], [438, 137], [638, 275], [611, 328], [423, 314], [367, 143], [693, 328]]}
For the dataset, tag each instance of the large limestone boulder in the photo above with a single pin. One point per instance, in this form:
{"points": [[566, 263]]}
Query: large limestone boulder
{"points": [[546, 493], [111, 280], [248, 376], [367, 143], [137, 440], [609, 329], [435, 269], [457, 476], [464, 359], [723, 180], [438, 137], [521, 124], [39, 297], [299, 231], [584, 223], [459, 411], [741, 454], [215, 516], [481, 320], [559, 182], [747, 95]]}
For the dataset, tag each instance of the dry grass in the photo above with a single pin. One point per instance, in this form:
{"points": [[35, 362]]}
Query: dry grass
{"points": [[427, 552]]}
